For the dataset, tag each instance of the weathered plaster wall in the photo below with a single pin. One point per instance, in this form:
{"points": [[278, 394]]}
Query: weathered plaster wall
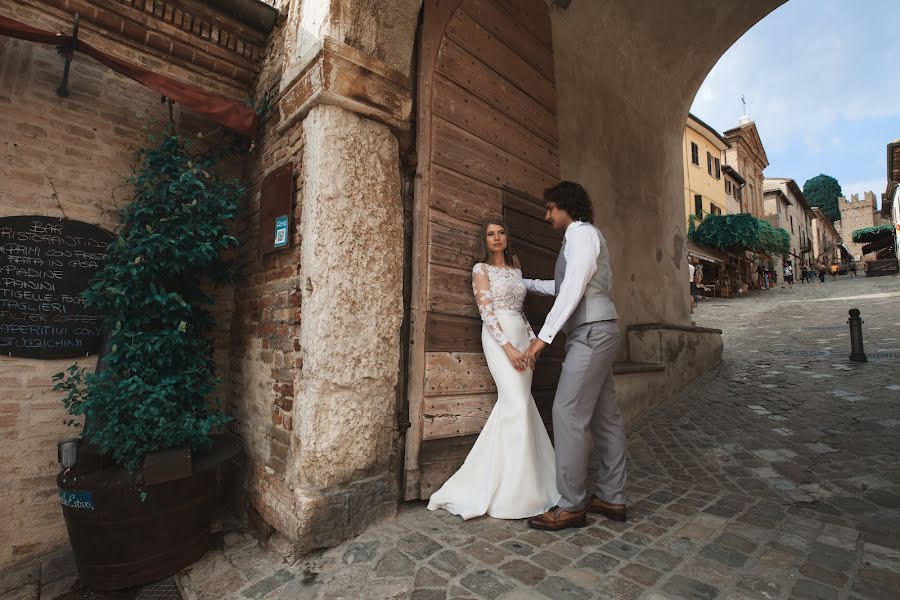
{"points": [[626, 73], [315, 348], [382, 29]]}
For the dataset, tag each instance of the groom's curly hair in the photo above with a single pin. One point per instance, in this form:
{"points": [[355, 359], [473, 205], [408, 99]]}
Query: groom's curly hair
{"points": [[572, 198]]}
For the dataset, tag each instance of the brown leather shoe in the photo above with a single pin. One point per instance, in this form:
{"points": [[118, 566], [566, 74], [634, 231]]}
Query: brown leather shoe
{"points": [[615, 512], [556, 519]]}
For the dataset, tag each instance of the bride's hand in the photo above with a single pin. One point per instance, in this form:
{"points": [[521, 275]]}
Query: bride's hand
{"points": [[515, 357]]}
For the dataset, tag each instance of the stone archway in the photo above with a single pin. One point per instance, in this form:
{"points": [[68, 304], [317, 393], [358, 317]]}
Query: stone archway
{"points": [[621, 79]]}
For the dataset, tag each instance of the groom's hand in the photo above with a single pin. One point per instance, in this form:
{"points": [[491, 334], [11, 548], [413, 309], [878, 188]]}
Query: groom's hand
{"points": [[534, 350]]}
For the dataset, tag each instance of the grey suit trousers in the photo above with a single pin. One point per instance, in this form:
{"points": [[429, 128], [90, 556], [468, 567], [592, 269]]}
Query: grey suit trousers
{"points": [[585, 415]]}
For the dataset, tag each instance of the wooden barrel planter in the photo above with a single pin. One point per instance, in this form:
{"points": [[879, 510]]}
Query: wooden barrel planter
{"points": [[125, 534]]}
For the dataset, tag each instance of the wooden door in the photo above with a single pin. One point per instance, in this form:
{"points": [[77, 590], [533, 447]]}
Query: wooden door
{"points": [[486, 125]]}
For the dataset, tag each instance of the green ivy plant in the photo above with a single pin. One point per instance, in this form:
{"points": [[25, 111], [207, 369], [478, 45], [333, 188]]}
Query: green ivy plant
{"points": [[154, 387], [741, 232], [873, 234]]}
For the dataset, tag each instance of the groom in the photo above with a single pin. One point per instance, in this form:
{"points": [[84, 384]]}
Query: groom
{"points": [[585, 407]]}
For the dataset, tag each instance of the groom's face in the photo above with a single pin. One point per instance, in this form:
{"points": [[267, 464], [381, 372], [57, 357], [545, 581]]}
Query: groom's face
{"points": [[556, 217]]}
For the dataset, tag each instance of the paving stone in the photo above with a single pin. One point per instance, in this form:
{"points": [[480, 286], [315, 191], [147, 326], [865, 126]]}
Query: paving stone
{"points": [[557, 588], [394, 564], [883, 498], [639, 573], [550, 560], [883, 577], [486, 552], [518, 547], [600, 563], [269, 584], [538, 538], [726, 556], [761, 588], [831, 578], [525, 572], [448, 562], [429, 595], [873, 591], [690, 589], [425, 577], [658, 560], [736, 542], [418, 546], [485, 584], [620, 589], [620, 549], [806, 589], [360, 552]]}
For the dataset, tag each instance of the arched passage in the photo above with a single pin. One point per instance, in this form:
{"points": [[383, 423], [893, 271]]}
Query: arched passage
{"points": [[504, 107]]}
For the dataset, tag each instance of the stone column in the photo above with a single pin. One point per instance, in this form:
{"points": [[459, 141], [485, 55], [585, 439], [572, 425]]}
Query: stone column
{"points": [[352, 266]]}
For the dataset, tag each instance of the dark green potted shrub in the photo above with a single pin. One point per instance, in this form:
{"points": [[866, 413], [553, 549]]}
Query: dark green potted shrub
{"points": [[138, 500]]}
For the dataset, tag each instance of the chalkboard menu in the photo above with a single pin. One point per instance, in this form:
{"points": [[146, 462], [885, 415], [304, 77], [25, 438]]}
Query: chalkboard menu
{"points": [[45, 264]]}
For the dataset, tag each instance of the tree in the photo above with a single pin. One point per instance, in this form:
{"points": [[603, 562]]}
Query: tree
{"points": [[823, 191]]}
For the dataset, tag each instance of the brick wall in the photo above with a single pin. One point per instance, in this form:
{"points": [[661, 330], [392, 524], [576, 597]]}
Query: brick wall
{"points": [[83, 147], [265, 362]]}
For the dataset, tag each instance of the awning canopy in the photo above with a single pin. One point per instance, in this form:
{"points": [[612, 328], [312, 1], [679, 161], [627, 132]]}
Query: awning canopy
{"points": [[235, 115], [703, 253]]}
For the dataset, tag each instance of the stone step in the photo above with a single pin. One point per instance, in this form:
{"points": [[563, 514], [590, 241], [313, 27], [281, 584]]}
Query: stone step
{"points": [[628, 368]]}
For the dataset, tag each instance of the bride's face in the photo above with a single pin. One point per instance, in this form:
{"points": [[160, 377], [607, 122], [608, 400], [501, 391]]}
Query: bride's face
{"points": [[496, 238]]}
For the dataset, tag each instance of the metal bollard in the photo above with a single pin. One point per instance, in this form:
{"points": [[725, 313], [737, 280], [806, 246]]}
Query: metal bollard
{"points": [[856, 337]]}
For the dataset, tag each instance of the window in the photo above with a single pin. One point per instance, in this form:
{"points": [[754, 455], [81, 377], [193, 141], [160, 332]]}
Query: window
{"points": [[792, 223], [709, 162], [698, 205], [695, 154], [714, 210], [728, 187], [718, 169], [737, 193]]}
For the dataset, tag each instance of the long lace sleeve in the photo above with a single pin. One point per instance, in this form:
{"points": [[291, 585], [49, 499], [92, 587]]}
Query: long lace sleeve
{"points": [[481, 286]]}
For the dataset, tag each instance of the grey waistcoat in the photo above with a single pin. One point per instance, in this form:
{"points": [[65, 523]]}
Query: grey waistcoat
{"points": [[596, 304]]}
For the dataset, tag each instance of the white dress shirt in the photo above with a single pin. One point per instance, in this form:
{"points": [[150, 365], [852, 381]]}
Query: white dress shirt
{"points": [[581, 252]]}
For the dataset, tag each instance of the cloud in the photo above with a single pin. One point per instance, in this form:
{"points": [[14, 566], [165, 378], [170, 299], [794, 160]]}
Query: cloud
{"points": [[818, 77]]}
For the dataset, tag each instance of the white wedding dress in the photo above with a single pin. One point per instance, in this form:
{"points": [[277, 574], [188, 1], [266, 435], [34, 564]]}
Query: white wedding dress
{"points": [[510, 472]]}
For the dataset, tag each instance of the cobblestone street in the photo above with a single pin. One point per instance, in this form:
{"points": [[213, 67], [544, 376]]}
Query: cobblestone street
{"points": [[775, 476]]}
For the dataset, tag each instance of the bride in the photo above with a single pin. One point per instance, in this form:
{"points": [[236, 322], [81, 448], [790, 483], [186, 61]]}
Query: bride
{"points": [[510, 471]]}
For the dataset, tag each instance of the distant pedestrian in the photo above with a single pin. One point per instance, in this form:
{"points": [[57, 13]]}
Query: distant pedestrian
{"points": [[822, 271], [788, 275], [691, 270], [834, 270], [761, 277], [853, 267]]}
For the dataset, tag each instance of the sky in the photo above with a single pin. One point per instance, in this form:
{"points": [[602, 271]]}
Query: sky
{"points": [[821, 81]]}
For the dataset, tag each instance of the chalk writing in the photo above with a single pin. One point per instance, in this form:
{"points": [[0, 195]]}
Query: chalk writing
{"points": [[45, 264]]}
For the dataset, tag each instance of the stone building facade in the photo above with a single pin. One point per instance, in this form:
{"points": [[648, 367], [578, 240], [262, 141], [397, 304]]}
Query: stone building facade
{"points": [[747, 156], [704, 180], [826, 239], [329, 347], [857, 213], [786, 207]]}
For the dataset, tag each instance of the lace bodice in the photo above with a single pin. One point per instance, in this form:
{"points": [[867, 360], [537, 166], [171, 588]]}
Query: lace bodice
{"points": [[498, 288]]}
